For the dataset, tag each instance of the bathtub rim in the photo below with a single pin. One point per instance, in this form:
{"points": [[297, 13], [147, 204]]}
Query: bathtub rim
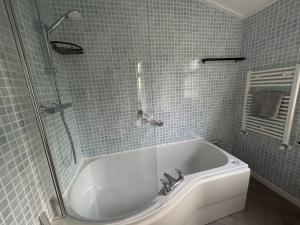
{"points": [[159, 202], [87, 160]]}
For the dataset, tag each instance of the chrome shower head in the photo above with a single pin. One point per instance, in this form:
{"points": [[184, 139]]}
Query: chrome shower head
{"points": [[72, 15]]}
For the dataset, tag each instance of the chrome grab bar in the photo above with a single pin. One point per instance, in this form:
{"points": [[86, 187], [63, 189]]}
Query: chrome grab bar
{"points": [[148, 119]]}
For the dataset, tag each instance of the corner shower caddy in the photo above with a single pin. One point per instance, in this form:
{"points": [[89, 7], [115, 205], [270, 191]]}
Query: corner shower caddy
{"points": [[280, 127]]}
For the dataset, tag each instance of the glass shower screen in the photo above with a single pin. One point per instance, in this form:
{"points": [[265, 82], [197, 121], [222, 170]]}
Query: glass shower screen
{"points": [[96, 106]]}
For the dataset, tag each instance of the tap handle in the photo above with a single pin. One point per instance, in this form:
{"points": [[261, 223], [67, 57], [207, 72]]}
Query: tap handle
{"points": [[169, 178], [166, 184], [179, 173]]}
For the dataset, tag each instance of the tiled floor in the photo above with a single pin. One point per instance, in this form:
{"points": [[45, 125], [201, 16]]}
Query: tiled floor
{"points": [[264, 207]]}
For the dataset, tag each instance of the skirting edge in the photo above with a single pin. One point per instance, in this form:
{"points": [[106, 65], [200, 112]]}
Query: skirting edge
{"points": [[276, 189]]}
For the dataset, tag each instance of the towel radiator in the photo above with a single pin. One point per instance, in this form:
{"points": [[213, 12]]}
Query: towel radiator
{"points": [[287, 78]]}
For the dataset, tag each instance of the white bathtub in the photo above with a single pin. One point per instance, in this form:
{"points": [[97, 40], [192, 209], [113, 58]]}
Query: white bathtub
{"points": [[215, 185]]}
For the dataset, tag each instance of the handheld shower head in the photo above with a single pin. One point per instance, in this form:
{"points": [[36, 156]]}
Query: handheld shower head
{"points": [[72, 15]]}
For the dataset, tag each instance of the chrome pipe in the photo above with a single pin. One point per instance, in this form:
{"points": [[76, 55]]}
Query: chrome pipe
{"points": [[56, 24], [51, 70]]}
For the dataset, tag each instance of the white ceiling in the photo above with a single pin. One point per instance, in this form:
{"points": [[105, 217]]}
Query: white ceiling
{"points": [[241, 8]]}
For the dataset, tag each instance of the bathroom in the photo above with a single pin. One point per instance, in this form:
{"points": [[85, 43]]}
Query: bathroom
{"points": [[137, 112]]}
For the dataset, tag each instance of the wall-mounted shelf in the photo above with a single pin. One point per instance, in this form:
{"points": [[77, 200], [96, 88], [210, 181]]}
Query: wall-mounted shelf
{"points": [[66, 48], [279, 127], [223, 59]]}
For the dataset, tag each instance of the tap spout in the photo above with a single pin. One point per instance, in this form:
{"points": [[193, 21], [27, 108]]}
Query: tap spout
{"points": [[171, 183]]}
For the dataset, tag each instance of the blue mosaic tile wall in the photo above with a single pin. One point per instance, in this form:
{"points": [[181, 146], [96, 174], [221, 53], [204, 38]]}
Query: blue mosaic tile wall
{"points": [[162, 42], [103, 80], [271, 38], [193, 99], [25, 180], [168, 38]]}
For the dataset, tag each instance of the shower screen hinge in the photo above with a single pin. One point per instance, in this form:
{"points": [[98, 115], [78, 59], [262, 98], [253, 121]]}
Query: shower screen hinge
{"points": [[50, 70], [44, 219]]}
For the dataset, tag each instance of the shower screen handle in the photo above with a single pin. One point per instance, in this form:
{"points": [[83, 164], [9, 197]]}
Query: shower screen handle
{"points": [[149, 120]]}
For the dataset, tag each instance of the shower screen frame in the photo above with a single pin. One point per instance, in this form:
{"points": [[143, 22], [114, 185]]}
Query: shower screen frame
{"points": [[35, 105]]}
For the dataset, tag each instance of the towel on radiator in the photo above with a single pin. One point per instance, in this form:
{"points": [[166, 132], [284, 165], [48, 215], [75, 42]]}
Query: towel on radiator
{"points": [[266, 104]]}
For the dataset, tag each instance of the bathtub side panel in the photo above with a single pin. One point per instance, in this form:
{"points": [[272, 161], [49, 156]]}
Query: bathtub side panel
{"points": [[206, 201], [218, 210]]}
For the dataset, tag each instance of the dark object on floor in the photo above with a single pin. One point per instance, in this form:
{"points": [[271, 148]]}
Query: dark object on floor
{"points": [[264, 207]]}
